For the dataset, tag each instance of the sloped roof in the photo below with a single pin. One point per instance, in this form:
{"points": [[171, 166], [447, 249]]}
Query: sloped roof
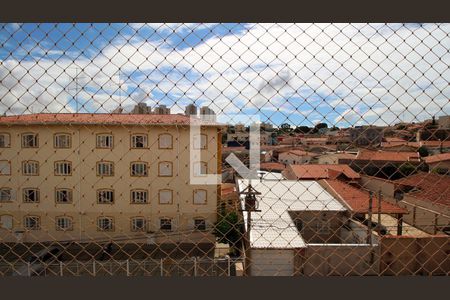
{"points": [[437, 158], [103, 119], [299, 153], [313, 171], [272, 166], [387, 156], [431, 187], [358, 200]]}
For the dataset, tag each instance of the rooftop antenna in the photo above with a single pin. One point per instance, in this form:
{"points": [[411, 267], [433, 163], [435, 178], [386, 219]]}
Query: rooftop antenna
{"points": [[77, 87]]}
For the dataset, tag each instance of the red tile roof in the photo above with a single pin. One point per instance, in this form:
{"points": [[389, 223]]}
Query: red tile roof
{"points": [[316, 172], [299, 153], [387, 156], [437, 158], [272, 166], [430, 187], [358, 200], [103, 119]]}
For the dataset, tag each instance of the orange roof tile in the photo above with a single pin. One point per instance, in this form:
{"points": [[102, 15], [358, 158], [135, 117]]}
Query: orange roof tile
{"points": [[300, 153], [430, 187], [272, 166], [297, 172], [103, 119], [437, 158], [358, 200], [387, 156]]}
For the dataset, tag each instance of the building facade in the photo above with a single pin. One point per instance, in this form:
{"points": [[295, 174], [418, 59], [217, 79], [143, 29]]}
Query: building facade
{"points": [[98, 176]]}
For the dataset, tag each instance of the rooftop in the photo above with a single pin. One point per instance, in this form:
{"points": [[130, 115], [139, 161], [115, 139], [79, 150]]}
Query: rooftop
{"points": [[387, 156], [313, 171], [299, 153], [430, 187], [103, 119], [272, 166], [437, 158], [358, 200], [273, 227]]}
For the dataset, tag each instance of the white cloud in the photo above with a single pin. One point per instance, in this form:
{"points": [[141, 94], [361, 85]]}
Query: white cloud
{"points": [[368, 70]]}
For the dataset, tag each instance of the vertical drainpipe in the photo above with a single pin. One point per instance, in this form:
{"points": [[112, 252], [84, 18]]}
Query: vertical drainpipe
{"points": [[178, 176]]}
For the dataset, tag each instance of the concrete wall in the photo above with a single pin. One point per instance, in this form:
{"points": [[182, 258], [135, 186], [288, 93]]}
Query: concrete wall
{"points": [[415, 255], [272, 262], [339, 260], [84, 182]]}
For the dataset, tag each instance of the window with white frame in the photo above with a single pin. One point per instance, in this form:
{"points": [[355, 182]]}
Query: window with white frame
{"points": [[32, 222], [165, 141], [30, 140], [138, 224], [5, 140], [165, 196], [105, 141], [139, 141], [139, 196], [139, 169], [30, 168], [165, 224], [6, 221], [200, 196], [63, 196], [105, 224], [200, 141], [105, 196], [199, 224], [165, 169], [30, 195], [200, 168], [105, 168], [5, 194], [5, 167], [64, 223], [63, 140], [63, 168]]}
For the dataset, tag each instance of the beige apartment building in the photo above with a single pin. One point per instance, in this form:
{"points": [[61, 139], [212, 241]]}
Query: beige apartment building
{"points": [[122, 177]]}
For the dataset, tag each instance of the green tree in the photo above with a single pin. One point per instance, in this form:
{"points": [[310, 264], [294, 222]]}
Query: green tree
{"points": [[407, 169], [423, 151], [228, 229]]}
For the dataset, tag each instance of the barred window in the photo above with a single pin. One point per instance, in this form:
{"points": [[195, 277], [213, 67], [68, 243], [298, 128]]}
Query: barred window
{"points": [[138, 224], [105, 224], [165, 141], [105, 196], [165, 196], [139, 196], [30, 195], [105, 168], [200, 196], [165, 224], [5, 194], [139, 141], [30, 140], [105, 141], [63, 196], [5, 140], [64, 223], [165, 169], [32, 222], [63, 168], [5, 167], [200, 224], [139, 169], [30, 168], [6, 222], [63, 140]]}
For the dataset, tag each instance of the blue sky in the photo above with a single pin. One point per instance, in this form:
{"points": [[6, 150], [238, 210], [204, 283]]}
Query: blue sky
{"points": [[302, 74]]}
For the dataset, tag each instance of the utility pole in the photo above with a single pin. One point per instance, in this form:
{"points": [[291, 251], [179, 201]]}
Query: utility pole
{"points": [[250, 205], [369, 221]]}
